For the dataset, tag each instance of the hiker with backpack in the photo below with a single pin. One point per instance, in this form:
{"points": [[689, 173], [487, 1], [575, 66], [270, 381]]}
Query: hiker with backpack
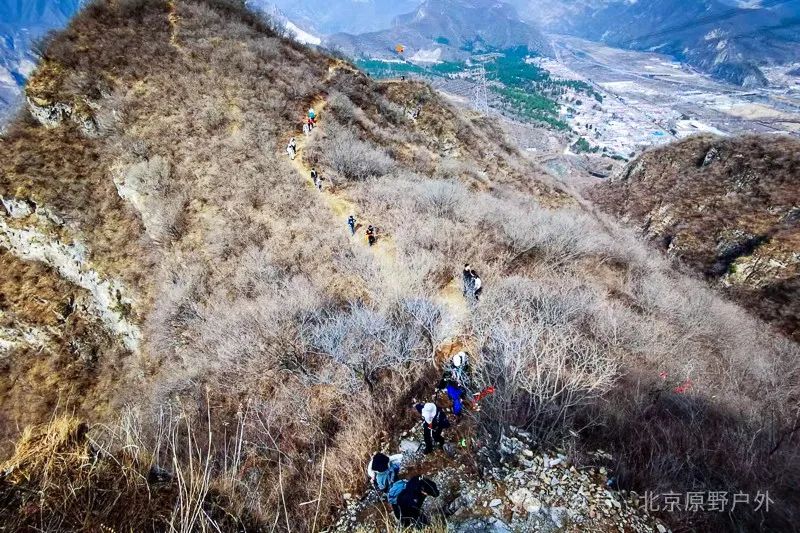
{"points": [[312, 119], [371, 237], [467, 275], [472, 282], [477, 287], [434, 421], [407, 498], [291, 148], [315, 178], [351, 223], [382, 472], [455, 381], [306, 129]]}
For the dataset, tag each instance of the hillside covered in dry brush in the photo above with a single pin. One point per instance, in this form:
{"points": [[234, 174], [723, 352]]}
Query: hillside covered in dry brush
{"points": [[186, 321], [727, 207]]}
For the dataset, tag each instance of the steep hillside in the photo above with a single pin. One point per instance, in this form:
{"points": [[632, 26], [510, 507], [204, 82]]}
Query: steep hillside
{"points": [[192, 339], [729, 209]]}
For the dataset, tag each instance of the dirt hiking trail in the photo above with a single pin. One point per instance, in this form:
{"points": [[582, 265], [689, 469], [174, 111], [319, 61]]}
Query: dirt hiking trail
{"points": [[449, 297]]}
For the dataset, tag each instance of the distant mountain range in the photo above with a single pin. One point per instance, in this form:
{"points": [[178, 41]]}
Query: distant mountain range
{"points": [[725, 39], [446, 30], [21, 23], [326, 17]]}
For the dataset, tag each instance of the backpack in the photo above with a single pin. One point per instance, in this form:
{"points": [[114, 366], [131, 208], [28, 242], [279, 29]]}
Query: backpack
{"points": [[385, 479], [395, 490]]}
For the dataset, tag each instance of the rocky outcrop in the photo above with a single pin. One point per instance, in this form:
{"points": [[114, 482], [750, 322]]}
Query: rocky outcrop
{"points": [[30, 233], [728, 207], [521, 488], [52, 114], [22, 334]]}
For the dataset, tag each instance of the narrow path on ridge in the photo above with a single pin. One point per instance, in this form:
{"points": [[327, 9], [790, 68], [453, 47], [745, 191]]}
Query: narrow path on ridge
{"points": [[449, 297]]}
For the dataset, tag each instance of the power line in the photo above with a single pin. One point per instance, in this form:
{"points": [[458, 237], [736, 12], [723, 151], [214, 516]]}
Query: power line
{"points": [[480, 96]]}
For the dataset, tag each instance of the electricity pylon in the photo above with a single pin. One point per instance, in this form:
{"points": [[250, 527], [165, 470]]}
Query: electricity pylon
{"points": [[480, 96]]}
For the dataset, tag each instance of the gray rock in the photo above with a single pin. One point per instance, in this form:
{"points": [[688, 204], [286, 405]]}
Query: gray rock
{"points": [[711, 156], [557, 515], [408, 446], [16, 208], [482, 525]]}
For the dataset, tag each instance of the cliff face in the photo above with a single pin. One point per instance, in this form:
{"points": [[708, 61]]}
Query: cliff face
{"points": [[729, 208]]}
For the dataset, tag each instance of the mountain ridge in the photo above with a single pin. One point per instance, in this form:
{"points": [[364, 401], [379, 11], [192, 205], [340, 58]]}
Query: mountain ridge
{"points": [[726, 207], [448, 30], [730, 43], [193, 336]]}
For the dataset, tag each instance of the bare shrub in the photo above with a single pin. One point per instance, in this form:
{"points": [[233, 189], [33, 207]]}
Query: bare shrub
{"points": [[543, 368], [559, 236], [443, 199], [151, 175], [352, 158], [342, 107], [367, 341], [453, 169], [150, 186]]}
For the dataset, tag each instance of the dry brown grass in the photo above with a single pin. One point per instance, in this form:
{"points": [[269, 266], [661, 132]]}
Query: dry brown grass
{"points": [[72, 367], [277, 349]]}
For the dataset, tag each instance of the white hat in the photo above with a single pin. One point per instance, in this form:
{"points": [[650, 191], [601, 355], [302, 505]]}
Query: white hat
{"points": [[428, 412], [460, 358]]}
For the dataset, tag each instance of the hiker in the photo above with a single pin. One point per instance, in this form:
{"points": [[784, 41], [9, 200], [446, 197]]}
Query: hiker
{"points": [[291, 148], [472, 282], [371, 237], [382, 472], [351, 222], [314, 176], [467, 274], [434, 421], [477, 287], [312, 118], [407, 498], [455, 381], [318, 182], [306, 129], [310, 124]]}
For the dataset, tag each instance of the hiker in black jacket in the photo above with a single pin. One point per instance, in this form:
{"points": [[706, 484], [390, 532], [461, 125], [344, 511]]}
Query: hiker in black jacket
{"points": [[434, 421], [408, 506]]}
